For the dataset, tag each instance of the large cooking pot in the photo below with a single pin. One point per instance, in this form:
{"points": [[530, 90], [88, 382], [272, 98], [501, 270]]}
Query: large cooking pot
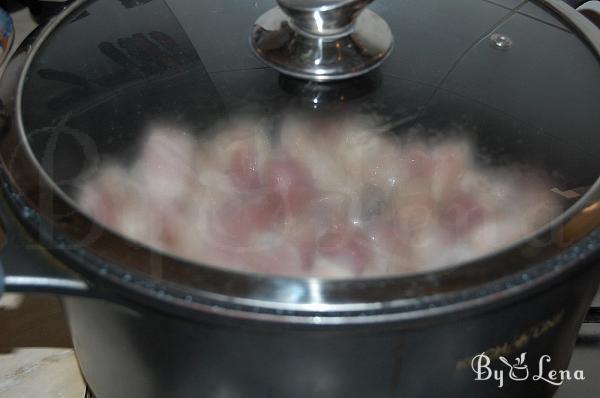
{"points": [[522, 76]]}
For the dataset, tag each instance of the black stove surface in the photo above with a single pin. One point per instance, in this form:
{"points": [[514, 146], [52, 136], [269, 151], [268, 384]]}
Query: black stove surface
{"points": [[586, 357]]}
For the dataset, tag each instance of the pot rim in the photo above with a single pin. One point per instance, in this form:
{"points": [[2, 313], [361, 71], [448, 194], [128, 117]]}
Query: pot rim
{"points": [[135, 268]]}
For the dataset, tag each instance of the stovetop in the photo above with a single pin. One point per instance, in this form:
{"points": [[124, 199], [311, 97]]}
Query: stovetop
{"points": [[587, 358]]}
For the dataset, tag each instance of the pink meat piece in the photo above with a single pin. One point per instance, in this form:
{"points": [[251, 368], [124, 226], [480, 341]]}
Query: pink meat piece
{"points": [[460, 214], [348, 246], [330, 210], [243, 215], [166, 165], [291, 182], [304, 239], [233, 160], [98, 201], [385, 168], [389, 238], [114, 198], [413, 213], [262, 252], [333, 199], [451, 162], [311, 143], [420, 163], [364, 155], [244, 170], [275, 255]]}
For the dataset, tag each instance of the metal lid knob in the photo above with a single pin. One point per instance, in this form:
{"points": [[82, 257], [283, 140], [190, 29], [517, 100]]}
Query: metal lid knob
{"points": [[322, 40]]}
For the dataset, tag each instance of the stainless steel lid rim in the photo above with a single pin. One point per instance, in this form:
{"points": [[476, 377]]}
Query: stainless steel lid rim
{"points": [[497, 292]]}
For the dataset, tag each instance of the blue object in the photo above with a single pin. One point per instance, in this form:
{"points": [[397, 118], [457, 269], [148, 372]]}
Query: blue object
{"points": [[6, 33]]}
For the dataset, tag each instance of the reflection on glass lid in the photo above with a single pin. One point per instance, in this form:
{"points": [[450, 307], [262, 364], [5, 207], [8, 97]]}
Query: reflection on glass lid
{"points": [[171, 91]]}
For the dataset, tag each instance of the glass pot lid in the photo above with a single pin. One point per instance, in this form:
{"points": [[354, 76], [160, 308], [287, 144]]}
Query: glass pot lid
{"points": [[460, 143]]}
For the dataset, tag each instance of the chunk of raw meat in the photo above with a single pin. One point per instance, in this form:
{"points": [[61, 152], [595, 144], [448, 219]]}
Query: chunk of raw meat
{"points": [[328, 198]]}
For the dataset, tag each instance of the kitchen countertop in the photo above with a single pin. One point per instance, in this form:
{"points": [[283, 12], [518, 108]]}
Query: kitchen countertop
{"points": [[36, 358]]}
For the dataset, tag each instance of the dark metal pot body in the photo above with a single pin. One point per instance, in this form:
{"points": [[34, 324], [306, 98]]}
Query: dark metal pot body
{"points": [[127, 351]]}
